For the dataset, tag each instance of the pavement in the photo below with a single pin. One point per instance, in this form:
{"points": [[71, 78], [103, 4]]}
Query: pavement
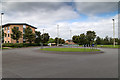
{"points": [[32, 63]]}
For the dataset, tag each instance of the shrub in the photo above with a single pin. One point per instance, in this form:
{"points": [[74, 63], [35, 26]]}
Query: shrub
{"points": [[45, 44], [19, 45], [8, 45]]}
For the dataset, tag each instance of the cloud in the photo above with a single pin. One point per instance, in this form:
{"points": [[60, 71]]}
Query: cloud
{"points": [[102, 27], [48, 14], [95, 8], [96, 0], [37, 0], [40, 13], [61, 0]]}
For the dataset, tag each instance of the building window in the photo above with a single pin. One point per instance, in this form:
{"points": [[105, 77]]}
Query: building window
{"points": [[8, 31], [3, 29], [23, 30], [8, 28], [8, 41], [17, 41], [8, 35], [5, 34], [24, 26], [18, 28], [30, 29], [23, 37]]}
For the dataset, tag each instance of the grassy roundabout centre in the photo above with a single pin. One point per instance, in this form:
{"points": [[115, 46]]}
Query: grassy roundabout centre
{"points": [[70, 49]]}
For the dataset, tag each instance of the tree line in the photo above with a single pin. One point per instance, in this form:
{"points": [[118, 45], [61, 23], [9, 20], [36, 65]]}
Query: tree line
{"points": [[56, 40], [106, 41], [91, 38], [31, 37], [28, 35], [83, 39]]}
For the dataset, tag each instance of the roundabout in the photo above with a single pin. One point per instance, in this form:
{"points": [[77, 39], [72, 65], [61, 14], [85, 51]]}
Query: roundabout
{"points": [[36, 63], [78, 50]]}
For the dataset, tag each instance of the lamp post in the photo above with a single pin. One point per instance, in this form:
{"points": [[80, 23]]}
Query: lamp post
{"points": [[1, 28], [58, 35], [43, 31], [1, 47], [42, 40], [70, 34], [70, 38], [113, 32]]}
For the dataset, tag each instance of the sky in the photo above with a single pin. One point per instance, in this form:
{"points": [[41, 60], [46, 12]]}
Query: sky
{"points": [[73, 15]]}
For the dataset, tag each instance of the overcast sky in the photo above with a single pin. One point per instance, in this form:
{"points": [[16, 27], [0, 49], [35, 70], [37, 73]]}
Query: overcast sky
{"points": [[73, 15]]}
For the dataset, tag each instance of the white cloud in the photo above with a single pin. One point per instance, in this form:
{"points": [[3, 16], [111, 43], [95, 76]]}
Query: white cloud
{"points": [[96, 0], [48, 15], [37, 0], [102, 27], [61, 0], [95, 8], [39, 13]]}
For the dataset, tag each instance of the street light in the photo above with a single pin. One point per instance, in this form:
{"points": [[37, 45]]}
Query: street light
{"points": [[70, 37], [58, 35], [70, 34], [42, 40], [113, 32], [1, 47], [43, 31], [1, 28]]}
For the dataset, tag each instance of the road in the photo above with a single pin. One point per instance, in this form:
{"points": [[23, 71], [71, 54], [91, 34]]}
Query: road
{"points": [[31, 63]]}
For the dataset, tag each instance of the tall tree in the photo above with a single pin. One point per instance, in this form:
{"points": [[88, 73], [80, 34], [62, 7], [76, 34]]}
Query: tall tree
{"points": [[106, 40], [102, 41], [45, 38], [51, 40], [29, 35], [59, 40], [16, 34], [118, 41], [62, 41], [56, 40], [38, 37], [90, 36], [98, 40], [111, 41], [75, 39], [82, 39]]}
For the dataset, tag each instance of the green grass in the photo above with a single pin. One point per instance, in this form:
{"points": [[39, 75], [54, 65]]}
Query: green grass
{"points": [[108, 46], [4, 48], [70, 49], [81, 45]]}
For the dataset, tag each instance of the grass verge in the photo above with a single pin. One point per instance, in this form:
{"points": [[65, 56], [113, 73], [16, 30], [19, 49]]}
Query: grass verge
{"points": [[70, 49], [4, 48], [108, 46]]}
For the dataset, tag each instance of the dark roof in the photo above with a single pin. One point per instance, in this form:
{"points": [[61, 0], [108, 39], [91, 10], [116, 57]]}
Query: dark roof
{"points": [[18, 24], [69, 40]]}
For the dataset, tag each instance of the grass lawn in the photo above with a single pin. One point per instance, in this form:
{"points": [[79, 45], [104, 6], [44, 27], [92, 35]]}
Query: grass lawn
{"points": [[109, 46], [70, 49], [4, 48]]}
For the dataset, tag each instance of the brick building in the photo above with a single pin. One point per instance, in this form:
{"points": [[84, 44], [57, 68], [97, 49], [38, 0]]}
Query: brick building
{"points": [[69, 42], [7, 28]]}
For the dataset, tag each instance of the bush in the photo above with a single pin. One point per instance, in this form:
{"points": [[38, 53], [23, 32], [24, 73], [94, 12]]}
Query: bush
{"points": [[19, 45], [8, 45], [45, 44]]}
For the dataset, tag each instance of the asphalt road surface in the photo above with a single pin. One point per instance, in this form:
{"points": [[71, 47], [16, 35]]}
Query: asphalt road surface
{"points": [[31, 63]]}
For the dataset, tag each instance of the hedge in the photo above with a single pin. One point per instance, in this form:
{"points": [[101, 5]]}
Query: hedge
{"points": [[19, 45]]}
